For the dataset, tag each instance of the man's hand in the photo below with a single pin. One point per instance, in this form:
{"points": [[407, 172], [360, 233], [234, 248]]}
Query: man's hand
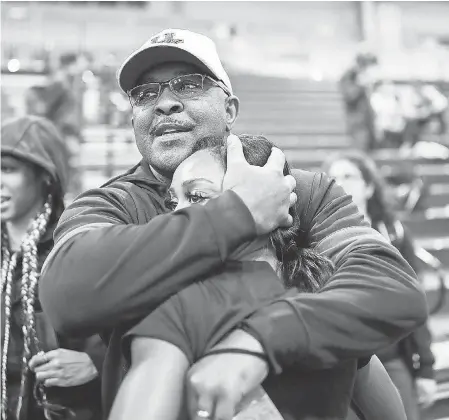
{"points": [[267, 193], [427, 391], [62, 367], [216, 384]]}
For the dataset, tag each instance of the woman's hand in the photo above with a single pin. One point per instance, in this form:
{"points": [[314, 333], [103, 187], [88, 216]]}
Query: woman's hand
{"points": [[216, 384], [64, 368]]}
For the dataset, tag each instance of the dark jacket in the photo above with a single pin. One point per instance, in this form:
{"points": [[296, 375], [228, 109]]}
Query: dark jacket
{"points": [[115, 259], [36, 140], [359, 114], [419, 341]]}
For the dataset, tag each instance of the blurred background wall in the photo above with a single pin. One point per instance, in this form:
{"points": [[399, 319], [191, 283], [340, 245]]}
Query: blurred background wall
{"points": [[310, 39]]}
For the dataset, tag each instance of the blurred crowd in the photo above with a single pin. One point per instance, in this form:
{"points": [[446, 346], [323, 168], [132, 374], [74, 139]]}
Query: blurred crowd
{"points": [[384, 113]]}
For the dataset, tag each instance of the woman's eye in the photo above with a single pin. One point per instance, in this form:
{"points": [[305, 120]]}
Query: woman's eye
{"points": [[196, 198]]}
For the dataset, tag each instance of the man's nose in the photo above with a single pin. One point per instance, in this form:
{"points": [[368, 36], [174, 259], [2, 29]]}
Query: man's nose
{"points": [[168, 103]]}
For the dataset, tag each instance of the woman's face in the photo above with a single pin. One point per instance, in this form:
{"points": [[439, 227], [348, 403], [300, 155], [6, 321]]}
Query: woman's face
{"points": [[21, 190], [196, 180], [350, 178]]}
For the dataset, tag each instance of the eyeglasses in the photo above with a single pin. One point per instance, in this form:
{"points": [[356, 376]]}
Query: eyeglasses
{"points": [[186, 86]]}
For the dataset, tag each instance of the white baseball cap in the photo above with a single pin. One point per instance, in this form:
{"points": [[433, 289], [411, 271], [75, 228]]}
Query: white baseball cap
{"points": [[172, 45]]}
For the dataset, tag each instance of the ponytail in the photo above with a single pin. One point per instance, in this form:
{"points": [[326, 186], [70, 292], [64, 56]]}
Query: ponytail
{"points": [[302, 267]]}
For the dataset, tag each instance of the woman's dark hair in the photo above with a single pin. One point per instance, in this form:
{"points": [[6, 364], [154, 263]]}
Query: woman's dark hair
{"points": [[377, 205], [302, 266], [53, 189]]}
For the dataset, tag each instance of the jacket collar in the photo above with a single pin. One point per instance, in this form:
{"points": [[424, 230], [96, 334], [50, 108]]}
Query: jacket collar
{"points": [[142, 176]]}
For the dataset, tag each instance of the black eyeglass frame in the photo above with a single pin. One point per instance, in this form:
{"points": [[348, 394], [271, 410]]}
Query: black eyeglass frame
{"points": [[169, 82]]}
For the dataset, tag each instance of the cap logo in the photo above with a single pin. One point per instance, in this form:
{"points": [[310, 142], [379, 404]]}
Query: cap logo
{"points": [[167, 38]]}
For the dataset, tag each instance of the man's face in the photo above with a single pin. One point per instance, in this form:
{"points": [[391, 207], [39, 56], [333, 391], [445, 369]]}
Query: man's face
{"points": [[167, 131]]}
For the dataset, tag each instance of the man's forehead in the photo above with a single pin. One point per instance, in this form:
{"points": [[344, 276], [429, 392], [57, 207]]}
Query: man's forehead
{"points": [[166, 71]]}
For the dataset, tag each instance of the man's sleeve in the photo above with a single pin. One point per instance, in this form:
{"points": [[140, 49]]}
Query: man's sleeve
{"points": [[104, 271], [372, 300]]}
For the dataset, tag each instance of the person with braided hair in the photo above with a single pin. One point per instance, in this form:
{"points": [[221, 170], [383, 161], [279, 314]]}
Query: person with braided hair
{"points": [[43, 375]]}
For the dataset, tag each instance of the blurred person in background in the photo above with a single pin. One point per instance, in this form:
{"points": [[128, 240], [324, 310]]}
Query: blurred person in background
{"points": [[119, 253], [433, 106], [356, 85], [410, 361], [390, 112], [62, 97], [60, 101], [403, 111], [44, 375], [34, 101]]}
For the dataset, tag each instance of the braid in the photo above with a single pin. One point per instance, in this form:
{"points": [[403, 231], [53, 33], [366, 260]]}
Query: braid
{"points": [[9, 263], [30, 276], [29, 281]]}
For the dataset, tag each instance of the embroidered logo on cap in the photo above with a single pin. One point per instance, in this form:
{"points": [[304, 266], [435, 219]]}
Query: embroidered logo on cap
{"points": [[167, 38]]}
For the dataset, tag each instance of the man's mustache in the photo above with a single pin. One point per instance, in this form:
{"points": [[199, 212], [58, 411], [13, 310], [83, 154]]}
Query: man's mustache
{"points": [[170, 123]]}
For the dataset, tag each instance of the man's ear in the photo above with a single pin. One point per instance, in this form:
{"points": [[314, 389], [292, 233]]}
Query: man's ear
{"points": [[232, 111]]}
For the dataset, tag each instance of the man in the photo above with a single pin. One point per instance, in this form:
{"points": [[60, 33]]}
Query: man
{"points": [[115, 260], [62, 96], [60, 100], [356, 86]]}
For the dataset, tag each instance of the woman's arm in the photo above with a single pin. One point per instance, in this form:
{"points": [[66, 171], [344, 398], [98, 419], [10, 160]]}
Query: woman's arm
{"points": [[154, 386], [375, 395]]}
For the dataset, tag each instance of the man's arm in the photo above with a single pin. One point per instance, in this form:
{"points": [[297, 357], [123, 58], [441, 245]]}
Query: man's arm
{"points": [[372, 300], [105, 271]]}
